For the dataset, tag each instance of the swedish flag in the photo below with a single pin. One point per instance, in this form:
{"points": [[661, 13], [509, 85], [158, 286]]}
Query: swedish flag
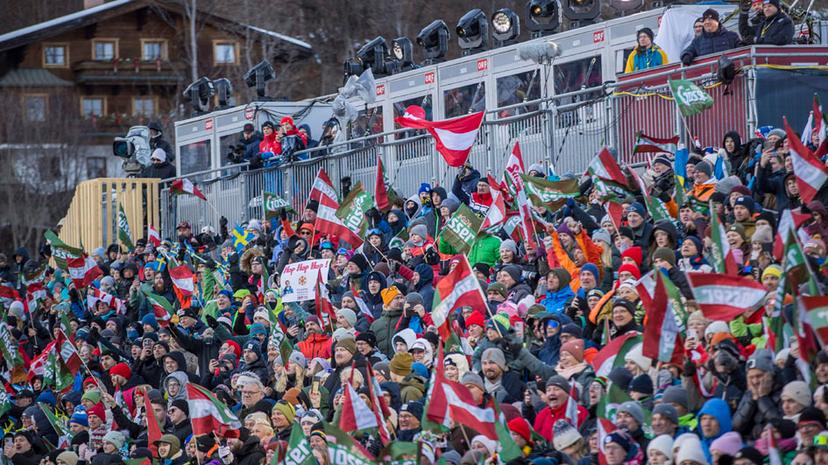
{"points": [[241, 238]]}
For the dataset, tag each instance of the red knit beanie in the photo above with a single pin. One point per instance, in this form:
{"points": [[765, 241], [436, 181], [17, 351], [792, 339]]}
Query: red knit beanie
{"points": [[520, 427], [121, 369], [476, 318], [98, 411], [235, 346]]}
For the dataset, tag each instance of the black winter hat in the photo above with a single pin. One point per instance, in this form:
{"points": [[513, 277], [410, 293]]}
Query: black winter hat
{"points": [[312, 205], [812, 415], [181, 404], [711, 13], [205, 442], [645, 30], [621, 377], [367, 337], [642, 384], [751, 454], [360, 261]]}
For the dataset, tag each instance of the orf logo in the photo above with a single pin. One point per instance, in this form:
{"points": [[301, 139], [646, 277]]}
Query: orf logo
{"points": [[380, 89], [598, 36], [429, 77], [208, 124], [482, 64]]}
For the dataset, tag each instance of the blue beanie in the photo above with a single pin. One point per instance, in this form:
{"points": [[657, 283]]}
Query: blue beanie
{"points": [[253, 345], [149, 319], [47, 397], [227, 293], [590, 268], [638, 208], [79, 417], [420, 370], [424, 187], [256, 329]]}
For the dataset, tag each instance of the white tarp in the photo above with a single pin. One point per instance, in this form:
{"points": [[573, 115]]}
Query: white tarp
{"points": [[676, 30]]}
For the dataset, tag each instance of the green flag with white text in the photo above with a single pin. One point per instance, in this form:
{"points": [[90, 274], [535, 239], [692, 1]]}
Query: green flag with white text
{"points": [[352, 210], [61, 251], [272, 203], [124, 233], [344, 450], [690, 98], [461, 230], [298, 450]]}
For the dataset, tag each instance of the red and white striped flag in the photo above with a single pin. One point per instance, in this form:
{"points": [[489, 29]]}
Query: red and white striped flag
{"points": [[185, 186], [810, 173], [605, 428], [450, 403], [514, 169], [324, 306], [454, 137], [328, 223], [724, 297], [380, 408], [183, 282], [67, 352], [362, 306], [816, 307], [83, 270], [605, 167], [661, 332], [153, 236], [605, 359], [94, 294], [322, 187], [572, 407], [356, 416], [496, 214], [457, 289], [208, 414]]}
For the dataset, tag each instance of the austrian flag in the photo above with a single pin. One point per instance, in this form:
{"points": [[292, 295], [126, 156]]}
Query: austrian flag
{"points": [[809, 172], [185, 186], [454, 137], [457, 289], [183, 282], [83, 270]]}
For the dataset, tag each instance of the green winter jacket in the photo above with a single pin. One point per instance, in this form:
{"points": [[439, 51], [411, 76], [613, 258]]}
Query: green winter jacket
{"points": [[486, 249]]}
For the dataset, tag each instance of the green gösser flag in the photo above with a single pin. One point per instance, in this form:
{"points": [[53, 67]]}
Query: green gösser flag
{"points": [[124, 233], [690, 98], [298, 450], [352, 210], [272, 203], [461, 230]]}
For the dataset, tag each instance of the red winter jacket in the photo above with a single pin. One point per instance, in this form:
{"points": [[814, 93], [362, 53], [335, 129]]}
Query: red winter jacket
{"points": [[547, 417]]}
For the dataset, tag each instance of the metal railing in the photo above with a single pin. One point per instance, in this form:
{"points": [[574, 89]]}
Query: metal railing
{"points": [[562, 132]]}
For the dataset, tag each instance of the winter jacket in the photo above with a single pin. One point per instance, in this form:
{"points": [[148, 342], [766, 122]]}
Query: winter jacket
{"points": [[546, 419], [250, 453], [486, 249], [315, 345], [751, 415], [644, 58], [205, 349], [555, 302], [776, 30], [718, 409], [384, 329], [163, 170], [708, 43]]}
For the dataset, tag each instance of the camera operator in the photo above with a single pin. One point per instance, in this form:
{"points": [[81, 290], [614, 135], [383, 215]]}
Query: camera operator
{"points": [[157, 140], [160, 167], [769, 25], [247, 147]]}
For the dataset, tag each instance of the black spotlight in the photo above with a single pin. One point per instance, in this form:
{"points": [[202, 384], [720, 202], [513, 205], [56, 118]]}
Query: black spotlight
{"points": [[434, 39], [352, 67], [224, 90], [402, 51], [505, 26], [199, 93], [473, 31], [626, 6], [373, 54], [258, 76], [543, 17], [581, 12]]}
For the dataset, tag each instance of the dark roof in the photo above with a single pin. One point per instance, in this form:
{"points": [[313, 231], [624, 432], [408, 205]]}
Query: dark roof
{"points": [[94, 14], [28, 77]]}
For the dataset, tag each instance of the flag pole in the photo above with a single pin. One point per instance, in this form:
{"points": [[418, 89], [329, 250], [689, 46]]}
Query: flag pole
{"points": [[482, 295]]}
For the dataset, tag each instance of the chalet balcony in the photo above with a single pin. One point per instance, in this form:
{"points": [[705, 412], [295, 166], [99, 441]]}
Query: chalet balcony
{"points": [[130, 71]]}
